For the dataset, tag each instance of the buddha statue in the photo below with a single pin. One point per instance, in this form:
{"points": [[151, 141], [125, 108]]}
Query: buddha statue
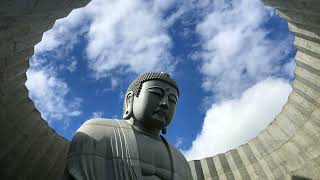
{"points": [[132, 148]]}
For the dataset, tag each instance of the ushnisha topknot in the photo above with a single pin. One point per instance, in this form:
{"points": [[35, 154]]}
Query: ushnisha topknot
{"points": [[136, 85]]}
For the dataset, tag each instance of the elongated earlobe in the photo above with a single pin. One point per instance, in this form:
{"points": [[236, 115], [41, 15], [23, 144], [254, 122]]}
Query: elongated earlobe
{"points": [[128, 105]]}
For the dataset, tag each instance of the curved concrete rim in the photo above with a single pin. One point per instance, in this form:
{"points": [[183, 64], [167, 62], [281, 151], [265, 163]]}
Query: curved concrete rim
{"points": [[288, 148]]}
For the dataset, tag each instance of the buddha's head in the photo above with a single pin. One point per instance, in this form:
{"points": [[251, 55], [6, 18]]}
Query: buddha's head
{"points": [[151, 100]]}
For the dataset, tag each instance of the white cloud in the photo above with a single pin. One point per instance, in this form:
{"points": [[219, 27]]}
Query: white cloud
{"points": [[234, 122], [69, 64], [72, 66], [179, 141], [49, 93], [64, 34], [125, 36], [237, 51], [289, 68], [97, 114], [132, 38]]}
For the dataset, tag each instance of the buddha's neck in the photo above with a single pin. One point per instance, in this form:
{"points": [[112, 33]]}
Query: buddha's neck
{"points": [[140, 127]]}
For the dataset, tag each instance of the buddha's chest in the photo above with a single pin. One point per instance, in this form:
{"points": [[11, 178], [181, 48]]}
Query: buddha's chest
{"points": [[154, 158]]}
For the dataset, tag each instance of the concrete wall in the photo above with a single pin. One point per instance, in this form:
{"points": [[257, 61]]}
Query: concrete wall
{"points": [[289, 147], [29, 149]]}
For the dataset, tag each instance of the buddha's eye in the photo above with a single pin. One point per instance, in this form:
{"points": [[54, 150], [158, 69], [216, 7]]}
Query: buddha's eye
{"points": [[172, 99], [155, 92]]}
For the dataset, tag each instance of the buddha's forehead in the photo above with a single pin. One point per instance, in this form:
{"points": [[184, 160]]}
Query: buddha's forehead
{"points": [[159, 84]]}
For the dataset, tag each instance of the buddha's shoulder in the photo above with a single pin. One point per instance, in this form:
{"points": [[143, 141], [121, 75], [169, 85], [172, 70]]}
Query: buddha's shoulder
{"points": [[94, 135], [104, 123], [100, 127]]}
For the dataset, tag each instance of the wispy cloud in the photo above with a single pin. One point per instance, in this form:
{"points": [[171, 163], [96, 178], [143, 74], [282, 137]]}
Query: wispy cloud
{"points": [[65, 33], [97, 114], [49, 93], [179, 142], [234, 122], [237, 51], [133, 38], [72, 66]]}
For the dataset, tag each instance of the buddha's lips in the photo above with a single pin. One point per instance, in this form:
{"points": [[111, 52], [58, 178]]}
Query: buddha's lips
{"points": [[162, 113]]}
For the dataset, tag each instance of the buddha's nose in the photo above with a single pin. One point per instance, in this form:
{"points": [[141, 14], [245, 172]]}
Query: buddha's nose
{"points": [[164, 103]]}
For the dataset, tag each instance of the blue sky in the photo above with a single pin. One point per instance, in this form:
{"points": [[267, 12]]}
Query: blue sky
{"points": [[233, 61]]}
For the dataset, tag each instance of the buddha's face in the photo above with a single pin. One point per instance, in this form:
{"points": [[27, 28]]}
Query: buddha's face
{"points": [[155, 105]]}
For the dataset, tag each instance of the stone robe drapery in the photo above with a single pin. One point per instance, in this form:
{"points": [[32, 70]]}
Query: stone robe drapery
{"points": [[104, 150]]}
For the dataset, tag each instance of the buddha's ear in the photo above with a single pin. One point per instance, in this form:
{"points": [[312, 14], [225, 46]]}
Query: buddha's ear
{"points": [[128, 105]]}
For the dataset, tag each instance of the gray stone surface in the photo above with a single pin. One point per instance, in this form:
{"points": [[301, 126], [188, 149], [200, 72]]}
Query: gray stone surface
{"points": [[290, 143]]}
